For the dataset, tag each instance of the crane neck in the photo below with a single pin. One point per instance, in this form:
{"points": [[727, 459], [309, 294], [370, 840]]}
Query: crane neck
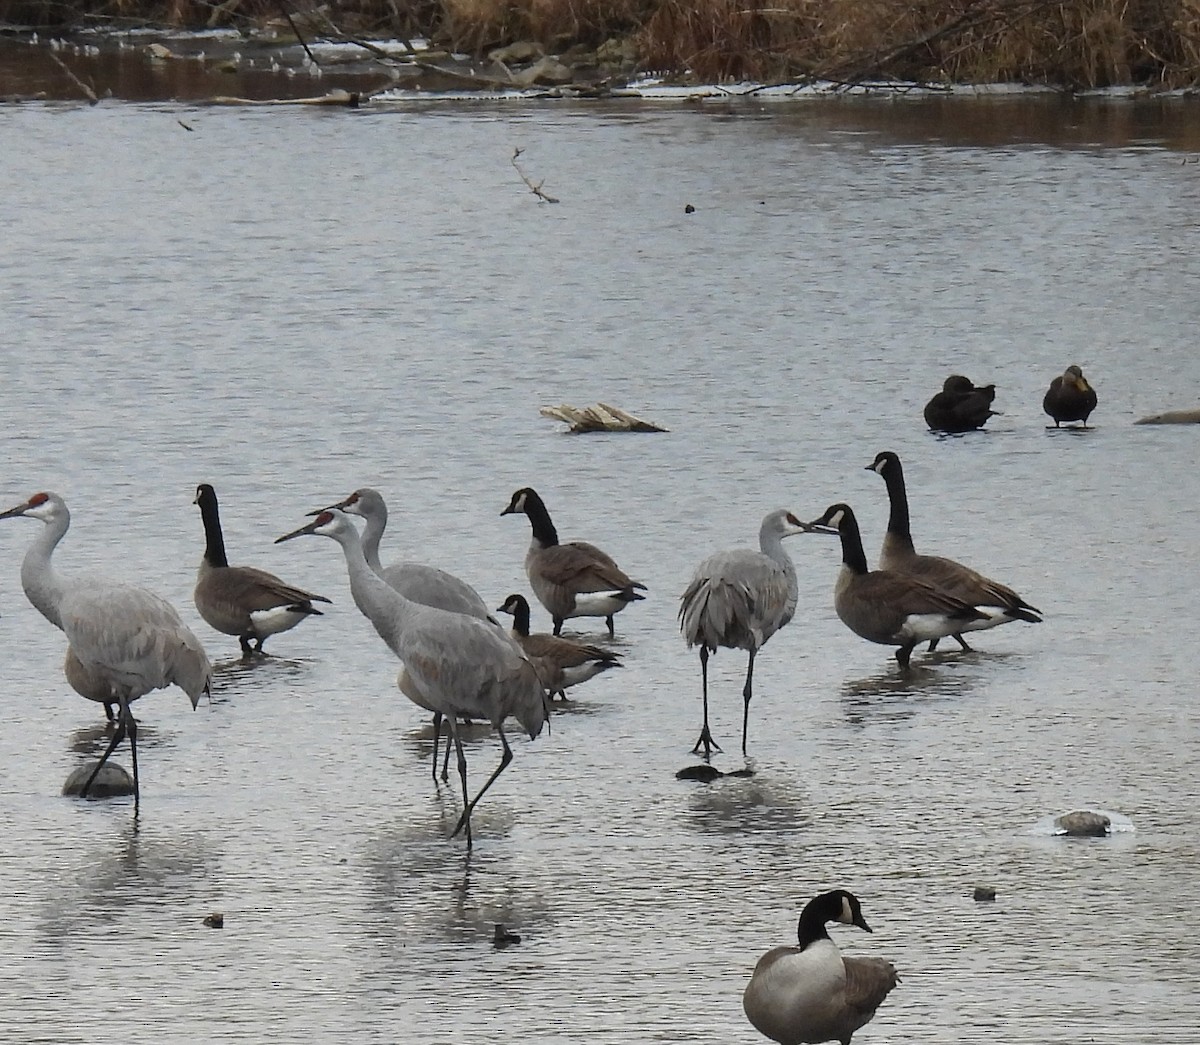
{"points": [[375, 524], [770, 542], [544, 533], [376, 600], [44, 586], [214, 539]]}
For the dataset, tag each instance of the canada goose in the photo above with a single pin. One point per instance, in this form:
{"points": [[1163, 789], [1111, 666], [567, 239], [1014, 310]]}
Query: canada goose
{"points": [[893, 609], [811, 993], [738, 599], [575, 579], [1001, 604], [1070, 397], [464, 667], [241, 600], [124, 638], [567, 662], [960, 406]]}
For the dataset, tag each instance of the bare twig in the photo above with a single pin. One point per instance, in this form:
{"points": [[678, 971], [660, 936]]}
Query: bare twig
{"points": [[288, 15], [535, 189], [87, 90]]}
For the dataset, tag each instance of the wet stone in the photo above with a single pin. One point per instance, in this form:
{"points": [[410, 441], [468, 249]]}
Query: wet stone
{"points": [[984, 893], [113, 781], [1083, 824]]}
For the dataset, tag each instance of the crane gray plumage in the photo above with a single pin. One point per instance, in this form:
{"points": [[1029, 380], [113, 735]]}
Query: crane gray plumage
{"points": [[462, 665], [416, 581], [125, 639], [243, 600], [738, 599], [571, 578], [998, 602], [811, 993], [892, 609], [561, 663]]}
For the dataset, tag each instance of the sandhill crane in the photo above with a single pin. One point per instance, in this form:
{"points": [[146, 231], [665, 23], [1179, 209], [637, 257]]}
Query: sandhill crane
{"points": [[1000, 603], [415, 581], [125, 638], [561, 663], [960, 406], [462, 665], [810, 992], [739, 598], [892, 609], [1069, 397], [573, 579], [241, 600]]}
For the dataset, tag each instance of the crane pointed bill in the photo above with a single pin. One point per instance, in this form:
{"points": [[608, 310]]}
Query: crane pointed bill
{"points": [[12, 513], [322, 518], [341, 506]]}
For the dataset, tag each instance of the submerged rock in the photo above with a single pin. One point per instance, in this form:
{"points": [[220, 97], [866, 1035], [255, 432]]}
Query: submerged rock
{"points": [[1172, 417], [984, 893], [502, 938], [1083, 823], [113, 781], [517, 53], [216, 920], [547, 72]]}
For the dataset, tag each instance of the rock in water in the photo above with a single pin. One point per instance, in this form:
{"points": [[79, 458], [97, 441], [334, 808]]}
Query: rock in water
{"points": [[113, 781], [1083, 824]]}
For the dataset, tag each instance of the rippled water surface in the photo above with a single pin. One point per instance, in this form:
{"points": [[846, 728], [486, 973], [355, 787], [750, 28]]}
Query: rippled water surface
{"points": [[290, 304]]}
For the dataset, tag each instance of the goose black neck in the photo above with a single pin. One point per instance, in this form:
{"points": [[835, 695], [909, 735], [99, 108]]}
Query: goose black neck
{"points": [[543, 529], [852, 550], [520, 616], [898, 522], [214, 547], [811, 927]]}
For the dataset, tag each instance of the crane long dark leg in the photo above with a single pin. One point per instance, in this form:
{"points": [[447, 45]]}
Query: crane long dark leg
{"points": [[437, 732], [244, 642], [126, 724], [558, 623], [505, 758], [903, 654], [747, 693], [933, 644], [963, 643], [706, 740], [465, 819], [611, 630], [446, 763]]}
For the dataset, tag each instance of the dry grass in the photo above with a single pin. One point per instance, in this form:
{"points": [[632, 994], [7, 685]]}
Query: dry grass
{"points": [[1076, 43], [1080, 43]]}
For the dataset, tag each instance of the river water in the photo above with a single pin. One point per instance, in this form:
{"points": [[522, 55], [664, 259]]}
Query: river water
{"points": [[293, 303]]}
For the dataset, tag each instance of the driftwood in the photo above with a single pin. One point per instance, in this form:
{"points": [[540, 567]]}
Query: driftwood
{"points": [[345, 99], [1172, 417], [599, 418], [535, 189]]}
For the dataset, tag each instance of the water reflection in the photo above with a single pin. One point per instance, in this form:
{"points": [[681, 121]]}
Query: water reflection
{"points": [[429, 886], [113, 880], [771, 801]]}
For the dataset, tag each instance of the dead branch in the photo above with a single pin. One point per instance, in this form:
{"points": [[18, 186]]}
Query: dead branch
{"points": [[599, 418], [346, 99], [87, 90], [535, 189]]}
